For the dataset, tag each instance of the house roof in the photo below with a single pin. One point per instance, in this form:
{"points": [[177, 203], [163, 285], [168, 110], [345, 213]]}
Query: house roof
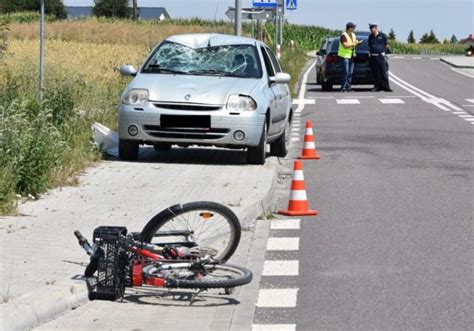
{"points": [[468, 40], [152, 12]]}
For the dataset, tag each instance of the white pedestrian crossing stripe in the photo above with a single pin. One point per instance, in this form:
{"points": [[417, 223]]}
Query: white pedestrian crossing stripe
{"points": [[304, 101], [348, 101], [281, 268], [470, 100], [283, 244], [273, 327], [285, 224], [391, 101], [277, 298]]}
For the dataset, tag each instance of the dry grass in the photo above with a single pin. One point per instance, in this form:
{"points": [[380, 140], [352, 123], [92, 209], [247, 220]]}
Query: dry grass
{"points": [[109, 32]]}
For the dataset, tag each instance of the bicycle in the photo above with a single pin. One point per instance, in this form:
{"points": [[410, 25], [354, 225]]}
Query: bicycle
{"points": [[184, 246]]}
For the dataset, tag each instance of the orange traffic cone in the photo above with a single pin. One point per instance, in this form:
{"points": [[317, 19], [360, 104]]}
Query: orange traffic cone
{"points": [[309, 149], [298, 204]]}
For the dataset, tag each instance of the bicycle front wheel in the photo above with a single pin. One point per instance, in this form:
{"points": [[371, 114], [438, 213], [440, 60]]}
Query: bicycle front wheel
{"points": [[210, 276], [204, 224]]}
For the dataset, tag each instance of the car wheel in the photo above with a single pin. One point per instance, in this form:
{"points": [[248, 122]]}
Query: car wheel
{"points": [[128, 150], [162, 147], [257, 154], [281, 146], [326, 86]]}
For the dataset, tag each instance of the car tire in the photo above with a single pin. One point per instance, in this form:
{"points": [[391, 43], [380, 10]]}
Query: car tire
{"points": [[162, 147], [326, 86], [281, 146], [128, 150], [257, 154]]}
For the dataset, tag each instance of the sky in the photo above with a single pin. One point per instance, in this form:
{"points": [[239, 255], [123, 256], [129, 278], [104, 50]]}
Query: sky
{"points": [[445, 17]]}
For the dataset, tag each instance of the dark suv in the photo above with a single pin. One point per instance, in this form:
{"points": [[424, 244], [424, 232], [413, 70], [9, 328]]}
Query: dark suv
{"points": [[329, 67]]}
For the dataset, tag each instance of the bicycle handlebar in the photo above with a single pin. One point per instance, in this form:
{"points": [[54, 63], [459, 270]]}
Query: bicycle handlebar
{"points": [[84, 243]]}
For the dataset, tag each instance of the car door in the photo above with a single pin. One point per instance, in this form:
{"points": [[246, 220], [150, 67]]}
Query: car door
{"points": [[282, 95], [275, 90]]}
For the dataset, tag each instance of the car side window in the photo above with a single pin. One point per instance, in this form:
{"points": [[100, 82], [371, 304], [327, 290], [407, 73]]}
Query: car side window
{"points": [[274, 60], [268, 62]]}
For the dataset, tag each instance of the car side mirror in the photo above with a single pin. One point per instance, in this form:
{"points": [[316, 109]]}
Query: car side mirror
{"points": [[321, 52], [128, 70], [281, 78]]}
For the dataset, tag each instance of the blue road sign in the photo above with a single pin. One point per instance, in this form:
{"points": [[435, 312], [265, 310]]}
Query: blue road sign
{"points": [[265, 3], [291, 4]]}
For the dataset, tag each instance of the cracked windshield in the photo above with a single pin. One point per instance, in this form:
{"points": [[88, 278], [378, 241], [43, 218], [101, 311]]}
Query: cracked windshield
{"points": [[232, 61]]}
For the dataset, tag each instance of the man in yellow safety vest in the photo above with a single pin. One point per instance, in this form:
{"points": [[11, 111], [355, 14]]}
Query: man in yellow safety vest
{"points": [[347, 51]]}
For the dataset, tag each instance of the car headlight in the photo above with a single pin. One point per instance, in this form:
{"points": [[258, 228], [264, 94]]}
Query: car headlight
{"points": [[237, 102], [136, 97]]}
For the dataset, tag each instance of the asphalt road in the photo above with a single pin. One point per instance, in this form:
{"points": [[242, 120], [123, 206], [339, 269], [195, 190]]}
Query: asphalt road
{"points": [[392, 247]]}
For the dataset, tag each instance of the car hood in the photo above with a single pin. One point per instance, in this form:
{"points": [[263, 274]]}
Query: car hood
{"points": [[193, 89]]}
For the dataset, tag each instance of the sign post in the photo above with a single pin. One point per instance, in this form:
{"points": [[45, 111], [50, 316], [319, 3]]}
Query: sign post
{"points": [[238, 17], [41, 59]]}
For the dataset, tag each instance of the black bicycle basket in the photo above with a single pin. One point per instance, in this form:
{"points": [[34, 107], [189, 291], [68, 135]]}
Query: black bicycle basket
{"points": [[113, 263]]}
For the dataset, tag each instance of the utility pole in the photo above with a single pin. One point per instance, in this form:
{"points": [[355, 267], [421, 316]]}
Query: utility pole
{"points": [[135, 9], [238, 17], [114, 8], [41, 59]]}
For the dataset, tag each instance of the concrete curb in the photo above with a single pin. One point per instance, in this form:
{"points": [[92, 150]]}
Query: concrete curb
{"points": [[51, 301], [41, 305], [243, 315], [460, 66]]}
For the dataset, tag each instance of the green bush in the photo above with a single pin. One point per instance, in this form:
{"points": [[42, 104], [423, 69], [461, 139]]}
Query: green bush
{"points": [[30, 147], [25, 17], [52, 7]]}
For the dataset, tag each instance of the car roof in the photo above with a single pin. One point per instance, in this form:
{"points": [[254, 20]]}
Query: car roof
{"points": [[200, 40]]}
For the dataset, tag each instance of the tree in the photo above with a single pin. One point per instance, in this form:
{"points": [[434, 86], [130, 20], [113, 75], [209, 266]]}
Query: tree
{"points": [[411, 38], [392, 36], [433, 38], [112, 8], [51, 7], [446, 41], [429, 38]]}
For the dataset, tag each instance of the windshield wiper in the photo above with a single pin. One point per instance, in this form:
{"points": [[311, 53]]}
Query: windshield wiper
{"points": [[157, 68], [207, 72]]}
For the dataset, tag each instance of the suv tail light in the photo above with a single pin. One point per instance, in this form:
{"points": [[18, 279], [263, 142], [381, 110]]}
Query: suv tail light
{"points": [[332, 59]]}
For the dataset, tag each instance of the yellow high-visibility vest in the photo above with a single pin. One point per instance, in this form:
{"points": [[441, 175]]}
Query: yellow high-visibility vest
{"points": [[350, 52]]}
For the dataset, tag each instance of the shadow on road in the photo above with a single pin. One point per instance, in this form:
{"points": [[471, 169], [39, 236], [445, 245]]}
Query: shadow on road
{"points": [[355, 89], [192, 155], [178, 298]]}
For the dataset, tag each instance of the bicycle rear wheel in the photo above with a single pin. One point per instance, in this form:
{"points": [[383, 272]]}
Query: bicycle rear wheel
{"points": [[204, 224]]}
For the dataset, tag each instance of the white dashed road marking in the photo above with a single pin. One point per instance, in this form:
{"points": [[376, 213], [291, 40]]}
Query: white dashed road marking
{"points": [[273, 327], [470, 100], [391, 101], [283, 244], [281, 268], [285, 224], [459, 113], [471, 119], [348, 101], [466, 115], [277, 298]]}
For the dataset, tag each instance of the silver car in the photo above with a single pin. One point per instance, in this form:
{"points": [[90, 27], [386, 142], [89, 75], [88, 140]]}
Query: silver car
{"points": [[207, 90]]}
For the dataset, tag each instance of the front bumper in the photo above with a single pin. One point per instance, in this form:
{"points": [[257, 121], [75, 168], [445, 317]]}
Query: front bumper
{"points": [[223, 125]]}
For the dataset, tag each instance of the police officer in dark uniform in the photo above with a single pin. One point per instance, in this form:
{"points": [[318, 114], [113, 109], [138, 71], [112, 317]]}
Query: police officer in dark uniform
{"points": [[378, 42]]}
